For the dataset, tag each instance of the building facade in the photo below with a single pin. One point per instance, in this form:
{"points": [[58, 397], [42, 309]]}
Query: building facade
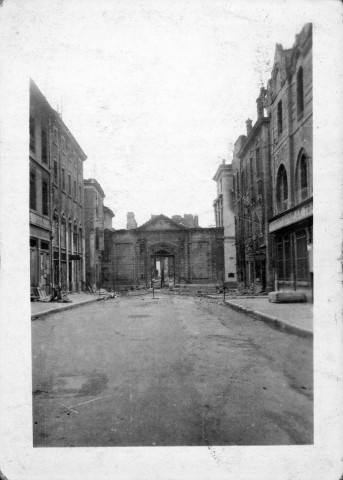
{"points": [[94, 230], [165, 250], [253, 202], [56, 200], [271, 175], [224, 216], [291, 112]]}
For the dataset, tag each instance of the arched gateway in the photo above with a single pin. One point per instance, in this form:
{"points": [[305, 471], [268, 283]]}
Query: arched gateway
{"points": [[164, 251], [162, 263]]}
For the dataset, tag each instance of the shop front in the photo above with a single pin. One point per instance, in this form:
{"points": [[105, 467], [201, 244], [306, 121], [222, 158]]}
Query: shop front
{"points": [[40, 264], [292, 234]]}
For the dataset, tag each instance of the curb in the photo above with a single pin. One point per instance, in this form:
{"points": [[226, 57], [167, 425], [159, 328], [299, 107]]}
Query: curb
{"points": [[38, 315], [276, 322]]}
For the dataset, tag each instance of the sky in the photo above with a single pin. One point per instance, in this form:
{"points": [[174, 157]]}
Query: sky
{"points": [[155, 92]]}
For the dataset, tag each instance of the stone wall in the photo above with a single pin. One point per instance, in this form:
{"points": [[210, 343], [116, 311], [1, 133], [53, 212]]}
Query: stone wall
{"points": [[196, 255]]}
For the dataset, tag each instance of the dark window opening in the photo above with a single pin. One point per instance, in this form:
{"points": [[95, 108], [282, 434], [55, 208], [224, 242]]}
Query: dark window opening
{"points": [[33, 242], [303, 180], [69, 184], [33, 193], [45, 197], [63, 179], [55, 172], [279, 117], [44, 147], [300, 91], [44, 245], [97, 239], [32, 135], [282, 189], [75, 190]]}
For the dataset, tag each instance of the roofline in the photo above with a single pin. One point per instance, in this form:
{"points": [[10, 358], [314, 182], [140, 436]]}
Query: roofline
{"points": [[57, 116], [91, 182], [108, 210], [221, 169], [255, 129], [161, 215]]}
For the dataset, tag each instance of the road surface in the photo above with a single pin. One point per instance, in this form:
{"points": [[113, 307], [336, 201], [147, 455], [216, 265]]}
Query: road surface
{"points": [[174, 370]]}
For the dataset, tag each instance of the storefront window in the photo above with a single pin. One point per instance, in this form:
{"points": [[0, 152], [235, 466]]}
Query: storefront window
{"points": [[301, 256], [279, 259]]}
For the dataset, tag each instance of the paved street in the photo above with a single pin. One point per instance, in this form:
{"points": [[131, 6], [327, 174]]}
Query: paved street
{"points": [[168, 371]]}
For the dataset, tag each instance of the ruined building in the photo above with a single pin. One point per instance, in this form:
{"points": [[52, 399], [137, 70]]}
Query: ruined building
{"points": [[164, 249]]}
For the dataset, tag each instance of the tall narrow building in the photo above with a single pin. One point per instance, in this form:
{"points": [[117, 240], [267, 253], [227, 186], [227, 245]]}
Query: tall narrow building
{"points": [[224, 216]]}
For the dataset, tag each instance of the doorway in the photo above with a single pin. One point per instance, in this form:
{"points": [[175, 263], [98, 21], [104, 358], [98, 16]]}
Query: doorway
{"points": [[163, 269]]}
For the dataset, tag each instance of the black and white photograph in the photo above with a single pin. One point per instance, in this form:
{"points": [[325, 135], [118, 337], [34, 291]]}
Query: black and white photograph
{"points": [[166, 279]]}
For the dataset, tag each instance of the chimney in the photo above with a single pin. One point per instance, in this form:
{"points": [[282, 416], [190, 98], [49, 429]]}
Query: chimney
{"points": [[131, 221], [259, 103], [249, 126]]}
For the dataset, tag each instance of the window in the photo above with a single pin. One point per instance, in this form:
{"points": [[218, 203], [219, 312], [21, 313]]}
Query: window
{"points": [[284, 258], [45, 197], [279, 117], [44, 245], [75, 197], [75, 240], [244, 181], [97, 238], [63, 173], [80, 240], [55, 172], [251, 166], [301, 256], [80, 194], [44, 147], [237, 184], [63, 233], [63, 144], [55, 134], [70, 236], [258, 162], [282, 189], [69, 184], [302, 178], [32, 135], [300, 92], [33, 193]]}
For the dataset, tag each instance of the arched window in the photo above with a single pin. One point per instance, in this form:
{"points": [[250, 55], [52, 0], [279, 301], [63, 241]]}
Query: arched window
{"points": [[303, 190], [300, 91], [282, 189]]}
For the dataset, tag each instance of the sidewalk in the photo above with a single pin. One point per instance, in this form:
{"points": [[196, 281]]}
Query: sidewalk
{"points": [[295, 318], [41, 309]]}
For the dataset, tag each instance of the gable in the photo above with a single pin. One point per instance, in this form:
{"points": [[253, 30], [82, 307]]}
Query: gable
{"points": [[161, 222]]}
